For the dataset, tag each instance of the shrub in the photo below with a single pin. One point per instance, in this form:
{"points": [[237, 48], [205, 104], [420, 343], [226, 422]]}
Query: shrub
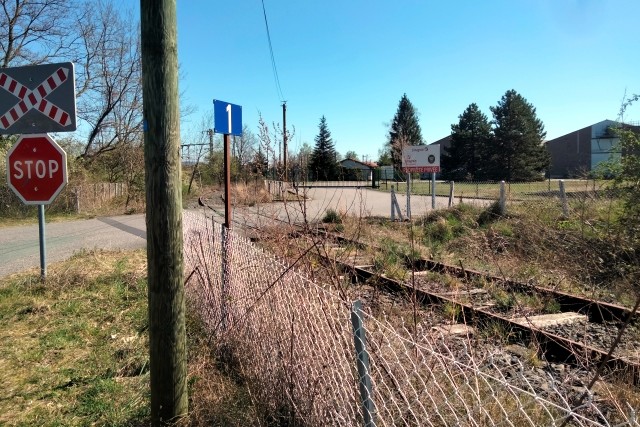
{"points": [[332, 217], [490, 214]]}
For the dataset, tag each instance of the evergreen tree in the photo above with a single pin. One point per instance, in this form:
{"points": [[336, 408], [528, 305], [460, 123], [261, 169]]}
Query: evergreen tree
{"points": [[405, 131], [464, 159], [517, 152], [259, 164], [323, 165], [384, 158]]}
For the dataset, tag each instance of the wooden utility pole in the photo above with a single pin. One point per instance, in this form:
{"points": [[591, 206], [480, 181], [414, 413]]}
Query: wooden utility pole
{"points": [[167, 337], [284, 137]]}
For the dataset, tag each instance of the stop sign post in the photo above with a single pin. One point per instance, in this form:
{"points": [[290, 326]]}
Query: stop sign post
{"points": [[36, 169], [37, 172]]}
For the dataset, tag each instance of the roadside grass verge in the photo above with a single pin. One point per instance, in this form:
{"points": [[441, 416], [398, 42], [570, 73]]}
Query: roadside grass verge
{"points": [[30, 219], [74, 350]]}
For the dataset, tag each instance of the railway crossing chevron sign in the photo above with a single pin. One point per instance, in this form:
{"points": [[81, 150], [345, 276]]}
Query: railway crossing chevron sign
{"points": [[38, 99]]}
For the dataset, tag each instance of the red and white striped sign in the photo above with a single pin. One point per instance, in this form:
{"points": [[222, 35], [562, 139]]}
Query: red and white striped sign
{"points": [[34, 99]]}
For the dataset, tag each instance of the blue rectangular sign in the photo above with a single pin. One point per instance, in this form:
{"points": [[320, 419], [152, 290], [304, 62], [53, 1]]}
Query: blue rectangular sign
{"points": [[227, 118]]}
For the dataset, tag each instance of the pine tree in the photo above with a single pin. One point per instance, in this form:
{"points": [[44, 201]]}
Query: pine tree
{"points": [[464, 158], [259, 163], [323, 165], [405, 131], [517, 152]]}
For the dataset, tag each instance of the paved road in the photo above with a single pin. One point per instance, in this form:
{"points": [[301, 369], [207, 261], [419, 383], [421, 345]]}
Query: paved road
{"points": [[359, 202], [19, 246]]}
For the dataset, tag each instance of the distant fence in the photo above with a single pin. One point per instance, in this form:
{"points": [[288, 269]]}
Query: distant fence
{"points": [[91, 196], [312, 358], [562, 196], [73, 198], [515, 191]]}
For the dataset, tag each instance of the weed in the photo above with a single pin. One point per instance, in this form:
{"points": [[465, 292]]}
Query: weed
{"points": [[551, 306], [532, 358], [503, 228], [496, 332], [529, 302], [332, 217], [71, 342], [504, 300], [437, 232], [490, 214], [451, 311]]}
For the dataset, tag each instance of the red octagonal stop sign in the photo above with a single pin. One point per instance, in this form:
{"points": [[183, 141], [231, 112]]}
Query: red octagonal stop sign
{"points": [[36, 169]]}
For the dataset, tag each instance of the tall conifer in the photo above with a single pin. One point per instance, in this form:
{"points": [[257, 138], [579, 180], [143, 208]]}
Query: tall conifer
{"points": [[323, 165], [405, 130]]}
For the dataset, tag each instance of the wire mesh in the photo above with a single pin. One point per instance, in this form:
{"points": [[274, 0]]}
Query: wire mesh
{"points": [[291, 341]]}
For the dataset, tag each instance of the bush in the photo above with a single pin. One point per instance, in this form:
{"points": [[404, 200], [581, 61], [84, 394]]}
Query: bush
{"points": [[492, 213], [437, 232], [332, 217]]}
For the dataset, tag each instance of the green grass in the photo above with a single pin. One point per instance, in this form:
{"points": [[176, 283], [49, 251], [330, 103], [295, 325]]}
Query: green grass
{"points": [[74, 350], [17, 221]]}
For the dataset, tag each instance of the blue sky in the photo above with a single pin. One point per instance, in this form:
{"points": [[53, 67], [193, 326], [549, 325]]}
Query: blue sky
{"points": [[351, 61]]}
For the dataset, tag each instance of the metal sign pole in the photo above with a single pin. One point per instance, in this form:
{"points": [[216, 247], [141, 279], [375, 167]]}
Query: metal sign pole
{"points": [[227, 182], [409, 196], [43, 248], [433, 190]]}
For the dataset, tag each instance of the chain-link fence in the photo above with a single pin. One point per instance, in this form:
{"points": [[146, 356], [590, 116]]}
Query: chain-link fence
{"points": [[293, 341], [564, 197]]}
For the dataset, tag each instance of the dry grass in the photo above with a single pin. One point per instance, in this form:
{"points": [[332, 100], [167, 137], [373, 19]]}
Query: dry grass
{"points": [[581, 254], [294, 376], [74, 351], [74, 348], [250, 195], [217, 395]]}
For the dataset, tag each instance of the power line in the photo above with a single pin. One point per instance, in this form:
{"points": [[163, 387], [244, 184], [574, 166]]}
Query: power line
{"points": [[273, 59]]}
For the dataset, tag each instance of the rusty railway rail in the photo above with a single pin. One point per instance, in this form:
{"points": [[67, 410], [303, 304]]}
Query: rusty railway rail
{"points": [[551, 346], [597, 311]]}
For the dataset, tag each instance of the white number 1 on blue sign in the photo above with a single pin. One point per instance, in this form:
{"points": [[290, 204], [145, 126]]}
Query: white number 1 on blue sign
{"points": [[229, 116]]}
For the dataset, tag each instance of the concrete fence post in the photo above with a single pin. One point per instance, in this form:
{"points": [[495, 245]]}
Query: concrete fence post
{"points": [[451, 193], [563, 199], [503, 199], [433, 190], [362, 361], [393, 207]]}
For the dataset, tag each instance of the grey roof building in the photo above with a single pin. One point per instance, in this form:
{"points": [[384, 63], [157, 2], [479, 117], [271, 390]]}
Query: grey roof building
{"points": [[577, 154]]}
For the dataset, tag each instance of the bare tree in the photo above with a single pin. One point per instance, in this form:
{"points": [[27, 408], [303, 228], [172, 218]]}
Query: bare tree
{"points": [[109, 78], [34, 32], [266, 146], [243, 148]]}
